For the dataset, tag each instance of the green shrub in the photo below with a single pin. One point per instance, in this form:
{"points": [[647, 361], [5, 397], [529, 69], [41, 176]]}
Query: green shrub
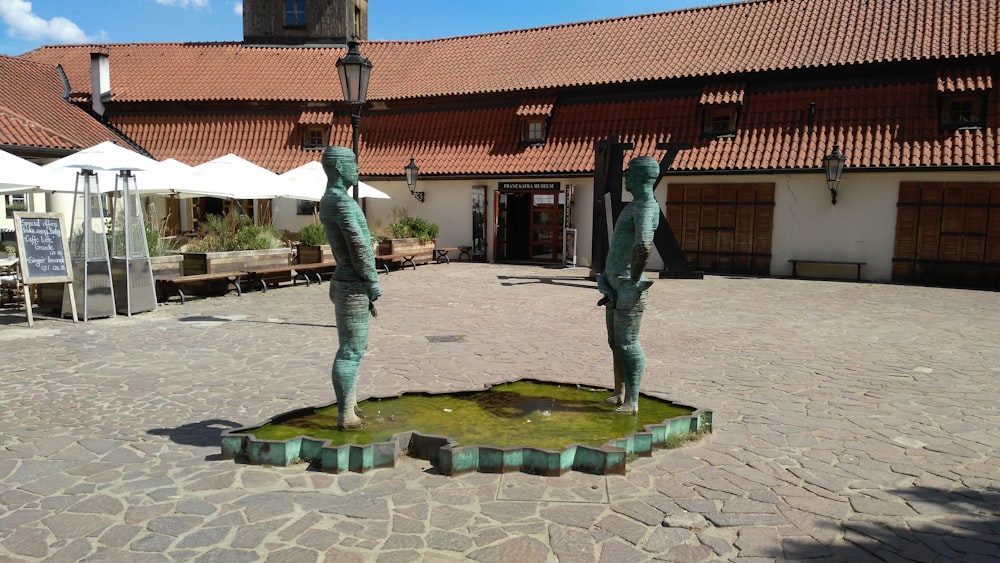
{"points": [[406, 226], [225, 233], [312, 234]]}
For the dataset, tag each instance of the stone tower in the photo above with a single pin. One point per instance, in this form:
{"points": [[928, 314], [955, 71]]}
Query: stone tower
{"points": [[304, 22]]}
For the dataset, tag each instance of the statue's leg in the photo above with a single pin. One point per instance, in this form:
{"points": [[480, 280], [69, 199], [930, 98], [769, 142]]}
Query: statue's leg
{"points": [[633, 357], [352, 333], [616, 356]]}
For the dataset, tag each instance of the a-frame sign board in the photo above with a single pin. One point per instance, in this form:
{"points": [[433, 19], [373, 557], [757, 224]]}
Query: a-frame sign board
{"points": [[43, 249]]}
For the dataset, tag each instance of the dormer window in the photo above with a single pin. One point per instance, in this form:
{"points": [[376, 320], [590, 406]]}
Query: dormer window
{"points": [[962, 111], [314, 138], [295, 13], [533, 118], [720, 120], [962, 97], [315, 127], [533, 131], [720, 104]]}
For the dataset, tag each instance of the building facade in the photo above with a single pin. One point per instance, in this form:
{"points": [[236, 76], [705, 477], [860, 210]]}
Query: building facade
{"points": [[748, 98]]}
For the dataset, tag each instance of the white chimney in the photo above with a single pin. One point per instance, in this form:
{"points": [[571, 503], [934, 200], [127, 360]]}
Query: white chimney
{"points": [[100, 81]]}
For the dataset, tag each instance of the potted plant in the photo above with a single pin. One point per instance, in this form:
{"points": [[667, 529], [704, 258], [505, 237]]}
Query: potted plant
{"points": [[165, 262], [234, 244], [313, 247], [406, 234]]}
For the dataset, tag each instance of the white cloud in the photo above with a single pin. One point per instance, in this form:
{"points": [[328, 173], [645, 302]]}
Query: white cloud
{"points": [[238, 8], [23, 24], [184, 3]]}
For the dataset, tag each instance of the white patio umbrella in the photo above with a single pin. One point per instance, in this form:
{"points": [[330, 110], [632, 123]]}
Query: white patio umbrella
{"points": [[167, 177], [308, 182], [19, 175], [231, 177], [105, 159]]}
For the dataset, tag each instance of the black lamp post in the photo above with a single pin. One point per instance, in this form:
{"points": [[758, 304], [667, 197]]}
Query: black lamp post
{"points": [[412, 173], [354, 71], [833, 163]]}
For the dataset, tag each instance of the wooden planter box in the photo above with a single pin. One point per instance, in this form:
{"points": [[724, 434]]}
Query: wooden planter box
{"points": [[169, 266], [423, 252], [235, 261], [314, 254]]}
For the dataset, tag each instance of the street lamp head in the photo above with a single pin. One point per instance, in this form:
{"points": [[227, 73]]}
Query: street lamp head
{"points": [[354, 71], [833, 165]]}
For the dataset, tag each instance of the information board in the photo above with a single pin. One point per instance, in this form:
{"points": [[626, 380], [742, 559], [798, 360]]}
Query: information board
{"points": [[42, 248]]}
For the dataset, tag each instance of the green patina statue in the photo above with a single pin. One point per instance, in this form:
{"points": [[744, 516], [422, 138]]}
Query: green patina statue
{"points": [[354, 286], [624, 285]]}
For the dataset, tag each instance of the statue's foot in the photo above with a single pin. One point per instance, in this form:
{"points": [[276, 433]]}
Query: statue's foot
{"points": [[354, 424], [615, 399], [350, 421], [627, 409]]}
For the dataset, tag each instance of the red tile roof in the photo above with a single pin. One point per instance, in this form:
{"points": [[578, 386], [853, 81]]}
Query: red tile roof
{"points": [[316, 117], [723, 40], [539, 107], [33, 113], [723, 94], [964, 79], [878, 127], [269, 140]]}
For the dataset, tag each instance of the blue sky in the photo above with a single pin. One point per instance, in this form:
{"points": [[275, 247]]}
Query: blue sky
{"points": [[27, 25]]}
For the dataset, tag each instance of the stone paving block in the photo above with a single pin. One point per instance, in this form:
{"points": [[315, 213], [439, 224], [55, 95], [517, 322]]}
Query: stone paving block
{"points": [[570, 543], [626, 528], [528, 550], [618, 551], [450, 541], [845, 414], [758, 542], [29, 542]]}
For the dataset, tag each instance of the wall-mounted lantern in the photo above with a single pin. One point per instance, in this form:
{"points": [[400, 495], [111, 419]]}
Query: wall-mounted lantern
{"points": [[412, 173], [833, 164]]}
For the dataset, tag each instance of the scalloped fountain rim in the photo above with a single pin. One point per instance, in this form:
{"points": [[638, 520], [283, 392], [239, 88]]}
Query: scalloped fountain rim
{"points": [[450, 458]]}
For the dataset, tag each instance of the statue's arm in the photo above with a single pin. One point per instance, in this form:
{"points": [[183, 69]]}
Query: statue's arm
{"points": [[647, 217], [362, 257]]}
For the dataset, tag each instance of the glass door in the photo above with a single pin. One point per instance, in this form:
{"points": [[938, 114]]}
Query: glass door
{"points": [[546, 227]]}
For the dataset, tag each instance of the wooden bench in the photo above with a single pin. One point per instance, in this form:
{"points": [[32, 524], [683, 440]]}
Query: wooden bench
{"points": [[315, 269], [383, 261], [796, 261], [441, 254], [170, 286], [291, 273]]}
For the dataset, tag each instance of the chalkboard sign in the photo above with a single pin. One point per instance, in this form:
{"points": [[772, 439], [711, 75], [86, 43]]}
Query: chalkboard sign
{"points": [[42, 248]]}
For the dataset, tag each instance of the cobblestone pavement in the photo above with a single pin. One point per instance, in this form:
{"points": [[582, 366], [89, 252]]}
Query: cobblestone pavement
{"points": [[853, 422]]}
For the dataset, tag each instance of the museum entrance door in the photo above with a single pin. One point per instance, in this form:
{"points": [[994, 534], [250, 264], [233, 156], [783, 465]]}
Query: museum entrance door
{"points": [[529, 226]]}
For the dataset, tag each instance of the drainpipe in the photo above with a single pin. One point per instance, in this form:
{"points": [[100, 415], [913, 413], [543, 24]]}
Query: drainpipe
{"points": [[100, 81], [65, 82]]}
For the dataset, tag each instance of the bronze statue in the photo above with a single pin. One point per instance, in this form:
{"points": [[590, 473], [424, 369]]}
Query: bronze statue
{"points": [[624, 285], [354, 286]]}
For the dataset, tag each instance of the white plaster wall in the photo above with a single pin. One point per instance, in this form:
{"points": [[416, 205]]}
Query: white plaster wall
{"points": [[284, 217], [860, 227]]}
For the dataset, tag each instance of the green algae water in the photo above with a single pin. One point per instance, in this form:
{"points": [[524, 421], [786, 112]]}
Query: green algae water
{"points": [[523, 413]]}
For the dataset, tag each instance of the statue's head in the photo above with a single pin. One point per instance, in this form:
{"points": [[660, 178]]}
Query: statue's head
{"points": [[340, 163], [641, 174]]}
